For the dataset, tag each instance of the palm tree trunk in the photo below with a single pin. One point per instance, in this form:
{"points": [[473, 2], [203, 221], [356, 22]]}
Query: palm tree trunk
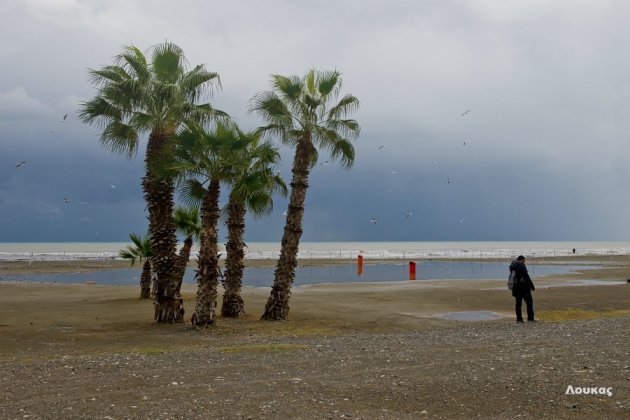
{"points": [[233, 304], [277, 307], [207, 278], [145, 281], [182, 262], [158, 194]]}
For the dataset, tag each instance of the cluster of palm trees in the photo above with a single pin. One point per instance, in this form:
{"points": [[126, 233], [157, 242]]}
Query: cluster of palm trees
{"points": [[196, 149]]}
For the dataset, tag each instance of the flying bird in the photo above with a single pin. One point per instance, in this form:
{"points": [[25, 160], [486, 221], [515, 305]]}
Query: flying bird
{"points": [[395, 172], [65, 200], [409, 214], [112, 186], [380, 147], [373, 220], [64, 118], [461, 220], [284, 213], [22, 163], [83, 203], [467, 111], [324, 163]]}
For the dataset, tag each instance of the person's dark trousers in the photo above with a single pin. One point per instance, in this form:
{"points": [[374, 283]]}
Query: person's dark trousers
{"points": [[529, 302]]}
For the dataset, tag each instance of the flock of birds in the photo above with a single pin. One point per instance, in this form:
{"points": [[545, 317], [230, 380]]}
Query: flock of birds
{"points": [[65, 199], [374, 220]]}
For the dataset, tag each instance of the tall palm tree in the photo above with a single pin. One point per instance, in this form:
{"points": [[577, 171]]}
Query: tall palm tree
{"points": [[305, 114], [156, 96], [140, 251], [188, 222], [253, 187], [203, 160]]}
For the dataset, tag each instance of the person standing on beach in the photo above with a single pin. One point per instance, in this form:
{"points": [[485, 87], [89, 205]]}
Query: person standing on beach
{"points": [[522, 289]]}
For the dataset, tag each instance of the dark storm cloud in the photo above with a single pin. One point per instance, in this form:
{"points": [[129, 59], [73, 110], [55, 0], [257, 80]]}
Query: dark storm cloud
{"points": [[541, 155]]}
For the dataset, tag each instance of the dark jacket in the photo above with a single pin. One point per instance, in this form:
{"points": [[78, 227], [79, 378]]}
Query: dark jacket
{"points": [[523, 284]]}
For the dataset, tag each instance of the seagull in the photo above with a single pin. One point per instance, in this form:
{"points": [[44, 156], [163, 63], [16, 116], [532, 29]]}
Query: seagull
{"points": [[467, 111], [83, 203], [380, 147], [22, 163], [113, 186], [284, 213], [64, 118], [461, 220], [324, 163], [373, 220], [395, 172], [408, 214], [464, 144], [65, 200], [52, 132]]}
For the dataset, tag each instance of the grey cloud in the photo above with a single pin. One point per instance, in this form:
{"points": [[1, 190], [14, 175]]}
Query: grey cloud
{"points": [[545, 81]]}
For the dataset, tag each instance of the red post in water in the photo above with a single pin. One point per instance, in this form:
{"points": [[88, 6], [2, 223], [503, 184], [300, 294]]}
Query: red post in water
{"points": [[412, 270], [360, 264]]}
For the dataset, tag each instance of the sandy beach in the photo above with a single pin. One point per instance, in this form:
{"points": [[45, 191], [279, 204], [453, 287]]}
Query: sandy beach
{"points": [[352, 350]]}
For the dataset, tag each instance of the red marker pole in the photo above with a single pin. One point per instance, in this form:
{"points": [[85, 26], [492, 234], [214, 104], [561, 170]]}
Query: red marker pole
{"points": [[412, 270], [360, 264]]}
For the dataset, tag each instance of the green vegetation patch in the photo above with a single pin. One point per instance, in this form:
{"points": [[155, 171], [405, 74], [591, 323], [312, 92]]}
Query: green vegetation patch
{"points": [[262, 348], [155, 350], [151, 350], [581, 314]]}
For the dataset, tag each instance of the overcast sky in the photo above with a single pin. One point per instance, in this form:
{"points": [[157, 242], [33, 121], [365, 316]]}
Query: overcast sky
{"points": [[543, 153]]}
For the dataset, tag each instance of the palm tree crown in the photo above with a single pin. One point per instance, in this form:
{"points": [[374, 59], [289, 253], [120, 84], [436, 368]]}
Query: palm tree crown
{"points": [[137, 95], [297, 109]]}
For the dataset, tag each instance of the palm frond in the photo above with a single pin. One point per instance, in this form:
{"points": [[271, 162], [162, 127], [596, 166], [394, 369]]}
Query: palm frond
{"points": [[134, 59], [167, 62], [346, 105], [290, 88], [328, 82], [120, 138]]}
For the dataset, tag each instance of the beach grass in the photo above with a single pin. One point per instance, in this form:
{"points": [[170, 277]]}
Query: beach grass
{"points": [[575, 314]]}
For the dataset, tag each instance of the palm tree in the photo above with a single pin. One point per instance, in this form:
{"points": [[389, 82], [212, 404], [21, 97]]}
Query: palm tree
{"points": [[156, 96], [188, 222], [253, 188], [202, 161], [140, 251], [305, 114]]}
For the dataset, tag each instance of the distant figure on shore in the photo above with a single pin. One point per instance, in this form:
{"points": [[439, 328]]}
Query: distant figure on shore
{"points": [[573, 251], [522, 289]]}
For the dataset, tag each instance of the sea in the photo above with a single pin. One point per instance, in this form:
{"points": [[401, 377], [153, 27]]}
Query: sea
{"points": [[383, 261]]}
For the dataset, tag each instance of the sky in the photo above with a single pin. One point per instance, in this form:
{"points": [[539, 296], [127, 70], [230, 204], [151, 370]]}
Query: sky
{"points": [[481, 120]]}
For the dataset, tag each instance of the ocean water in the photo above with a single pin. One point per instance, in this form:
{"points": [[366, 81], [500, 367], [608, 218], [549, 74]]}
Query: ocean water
{"points": [[498, 251], [333, 273]]}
